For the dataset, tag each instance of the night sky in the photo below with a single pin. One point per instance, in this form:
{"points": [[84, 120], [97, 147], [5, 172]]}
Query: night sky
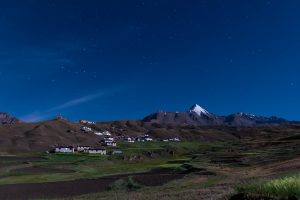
{"points": [[124, 59]]}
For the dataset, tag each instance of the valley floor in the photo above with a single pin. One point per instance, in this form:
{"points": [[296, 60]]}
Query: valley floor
{"points": [[185, 170]]}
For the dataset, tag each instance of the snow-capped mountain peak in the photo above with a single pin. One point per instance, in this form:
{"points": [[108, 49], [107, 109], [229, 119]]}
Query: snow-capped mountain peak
{"points": [[199, 110], [246, 115]]}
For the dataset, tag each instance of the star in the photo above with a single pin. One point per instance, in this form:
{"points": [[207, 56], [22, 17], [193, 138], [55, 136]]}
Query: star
{"points": [[95, 75], [62, 68]]}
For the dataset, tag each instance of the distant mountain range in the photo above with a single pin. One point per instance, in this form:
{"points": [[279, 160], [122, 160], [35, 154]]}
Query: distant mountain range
{"points": [[195, 116], [198, 116], [196, 124]]}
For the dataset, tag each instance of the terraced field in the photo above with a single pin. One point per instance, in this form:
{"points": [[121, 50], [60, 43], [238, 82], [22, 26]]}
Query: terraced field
{"points": [[155, 170]]}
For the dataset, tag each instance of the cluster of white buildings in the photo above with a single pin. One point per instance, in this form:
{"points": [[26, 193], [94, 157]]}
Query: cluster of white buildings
{"points": [[86, 149], [63, 149], [109, 141], [105, 133], [144, 138], [141, 138], [86, 122], [81, 149], [129, 139], [86, 129], [172, 140], [96, 151]]}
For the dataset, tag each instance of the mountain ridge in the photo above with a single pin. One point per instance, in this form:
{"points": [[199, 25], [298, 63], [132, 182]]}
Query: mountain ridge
{"points": [[187, 126], [198, 116]]}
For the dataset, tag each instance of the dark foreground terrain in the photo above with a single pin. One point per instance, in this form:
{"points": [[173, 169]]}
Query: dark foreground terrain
{"points": [[84, 186], [259, 163]]}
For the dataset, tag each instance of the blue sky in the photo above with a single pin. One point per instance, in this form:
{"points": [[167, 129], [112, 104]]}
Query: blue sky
{"points": [[116, 59]]}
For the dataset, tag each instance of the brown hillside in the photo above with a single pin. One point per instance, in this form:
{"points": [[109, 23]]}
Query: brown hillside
{"points": [[43, 136], [26, 137]]}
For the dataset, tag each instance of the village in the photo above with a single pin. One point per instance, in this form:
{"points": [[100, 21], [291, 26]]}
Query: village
{"points": [[106, 139]]}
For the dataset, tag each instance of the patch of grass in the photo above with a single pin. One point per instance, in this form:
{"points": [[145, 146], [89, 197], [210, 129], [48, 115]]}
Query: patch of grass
{"points": [[94, 166], [71, 158], [179, 148], [281, 187], [14, 178], [126, 185], [170, 165], [84, 166]]}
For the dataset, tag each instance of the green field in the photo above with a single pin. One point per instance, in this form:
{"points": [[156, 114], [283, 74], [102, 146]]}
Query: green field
{"points": [[213, 169], [139, 157], [285, 187]]}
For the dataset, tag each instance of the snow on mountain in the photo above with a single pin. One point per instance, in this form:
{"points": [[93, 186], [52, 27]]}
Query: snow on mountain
{"points": [[198, 116], [199, 110], [242, 114]]}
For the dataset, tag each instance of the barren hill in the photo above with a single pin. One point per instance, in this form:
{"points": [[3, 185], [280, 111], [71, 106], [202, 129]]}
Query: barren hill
{"points": [[43, 136], [26, 137]]}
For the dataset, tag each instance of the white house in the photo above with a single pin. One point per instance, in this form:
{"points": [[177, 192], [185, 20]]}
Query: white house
{"points": [[109, 143], [147, 139], [106, 133], [171, 140], [98, 133], [69, 149], [116, 152], [83, 148], [86, 122], [96, 151], [174, 140], [86, 129], [109, 138], [128, 139], [144, 138]]}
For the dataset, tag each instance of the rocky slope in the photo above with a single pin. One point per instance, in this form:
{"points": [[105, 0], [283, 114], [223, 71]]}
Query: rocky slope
{"points": [[8, 119]]}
